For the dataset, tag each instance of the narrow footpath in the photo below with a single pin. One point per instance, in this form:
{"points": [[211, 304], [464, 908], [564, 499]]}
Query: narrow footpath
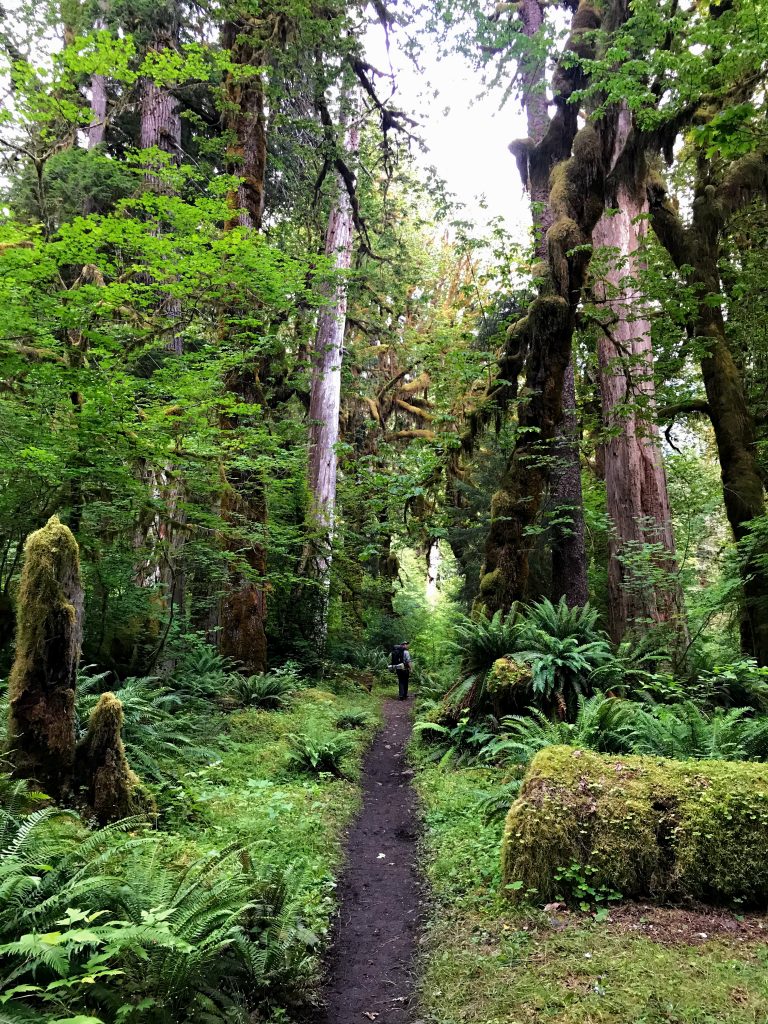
{"points": [[371, 962]]}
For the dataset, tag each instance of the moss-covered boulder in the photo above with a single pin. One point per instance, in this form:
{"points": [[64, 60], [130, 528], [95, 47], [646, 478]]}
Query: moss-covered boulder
{"points": [[113, 790], [650, 827], [41, 724]]}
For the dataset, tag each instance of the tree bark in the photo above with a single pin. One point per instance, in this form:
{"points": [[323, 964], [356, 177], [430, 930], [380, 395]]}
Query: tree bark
{"points": [[325, 394], [569, 551], [242, 611], [695, 250], [97, 129], [246, 121], [636, 482], [567, 166], [569, 555]]}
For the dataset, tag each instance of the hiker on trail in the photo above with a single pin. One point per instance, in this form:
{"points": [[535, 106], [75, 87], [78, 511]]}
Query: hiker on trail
{"points": [[403, 663]]}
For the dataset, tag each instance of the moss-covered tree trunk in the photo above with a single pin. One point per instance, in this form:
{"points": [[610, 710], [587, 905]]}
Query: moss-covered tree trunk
{"points": [[575, 197], [642, 569], [243, 607], [695, 249], [246, 122], [242, 611], [569, 556], [41, 732]]}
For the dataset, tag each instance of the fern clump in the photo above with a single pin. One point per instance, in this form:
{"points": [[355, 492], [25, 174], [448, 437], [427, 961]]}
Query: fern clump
{"points": [[111, 925], [161, 731], [565, 649], [354, 720], [684, 731], [318, 753]]}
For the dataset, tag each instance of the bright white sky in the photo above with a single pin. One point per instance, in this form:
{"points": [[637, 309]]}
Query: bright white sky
{"points": [[467, 137]]}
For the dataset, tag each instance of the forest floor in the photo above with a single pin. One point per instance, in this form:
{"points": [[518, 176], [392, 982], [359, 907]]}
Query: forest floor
{"points": [[371, 962]]}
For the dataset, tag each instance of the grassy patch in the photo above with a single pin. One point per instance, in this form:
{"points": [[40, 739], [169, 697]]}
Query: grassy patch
{"points": [[488, 963]]}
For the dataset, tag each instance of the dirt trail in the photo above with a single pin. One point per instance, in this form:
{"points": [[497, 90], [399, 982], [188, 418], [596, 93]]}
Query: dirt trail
{"points": [[372, 957]]}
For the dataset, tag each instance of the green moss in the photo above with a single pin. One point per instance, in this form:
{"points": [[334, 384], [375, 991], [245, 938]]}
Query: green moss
{"points": [[651, 827], [507, 675], [114, 791], [42, 681], [490, 581], [486, 961]]}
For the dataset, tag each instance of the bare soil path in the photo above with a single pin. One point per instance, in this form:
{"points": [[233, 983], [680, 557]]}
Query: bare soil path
{"points": [[371, 962]]}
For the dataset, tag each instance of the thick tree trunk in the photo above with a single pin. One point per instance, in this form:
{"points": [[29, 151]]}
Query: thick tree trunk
{"points": [[636, 482], [243, 608], [97, 129], [325, 396], [569, 551], [242, 611], [569, 555], [246, 122], [696, 251], [571, 184], [160, 128]]}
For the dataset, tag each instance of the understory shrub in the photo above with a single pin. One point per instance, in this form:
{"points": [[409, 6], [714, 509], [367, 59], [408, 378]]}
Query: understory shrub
{"points": [[650, 827]]}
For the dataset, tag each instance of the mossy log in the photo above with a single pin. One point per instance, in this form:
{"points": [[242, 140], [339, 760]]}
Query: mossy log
{"points": [[113, 790], [652, 828], [41, 727]]}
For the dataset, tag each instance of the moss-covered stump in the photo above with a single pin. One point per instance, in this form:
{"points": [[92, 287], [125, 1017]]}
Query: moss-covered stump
{"points": [[113, 790], [508, 685], [651, 827], [41, 727]]}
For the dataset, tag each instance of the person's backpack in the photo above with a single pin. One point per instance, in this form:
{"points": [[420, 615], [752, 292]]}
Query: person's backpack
{"points": [[396, 658]]}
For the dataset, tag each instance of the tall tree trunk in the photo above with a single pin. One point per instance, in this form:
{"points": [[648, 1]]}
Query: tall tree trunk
{"points": [[569, 555], [570, 185], [242, 611], [97, 129], [160, 128], [569, 550], [325, 395], [635, 478], [695, 250], [246, 121]]}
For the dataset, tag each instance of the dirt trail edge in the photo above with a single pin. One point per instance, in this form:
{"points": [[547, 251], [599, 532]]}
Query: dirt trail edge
{"points": [[371, 961]]}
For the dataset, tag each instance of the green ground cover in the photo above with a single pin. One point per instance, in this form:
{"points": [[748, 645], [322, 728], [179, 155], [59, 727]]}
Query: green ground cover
{"points": [[485, 962], [219, 913]]}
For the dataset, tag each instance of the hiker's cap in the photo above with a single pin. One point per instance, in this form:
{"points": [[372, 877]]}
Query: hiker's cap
{"points": [[403, 643]]}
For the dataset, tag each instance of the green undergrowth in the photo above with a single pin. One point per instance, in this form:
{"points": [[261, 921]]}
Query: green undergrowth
{"points": [[487, 962], [216, 915], [252, 795]]}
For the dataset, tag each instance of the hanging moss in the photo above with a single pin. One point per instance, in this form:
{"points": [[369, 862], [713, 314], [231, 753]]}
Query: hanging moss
{"points": [[651, 827], [42, 681], [113, 790]]}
